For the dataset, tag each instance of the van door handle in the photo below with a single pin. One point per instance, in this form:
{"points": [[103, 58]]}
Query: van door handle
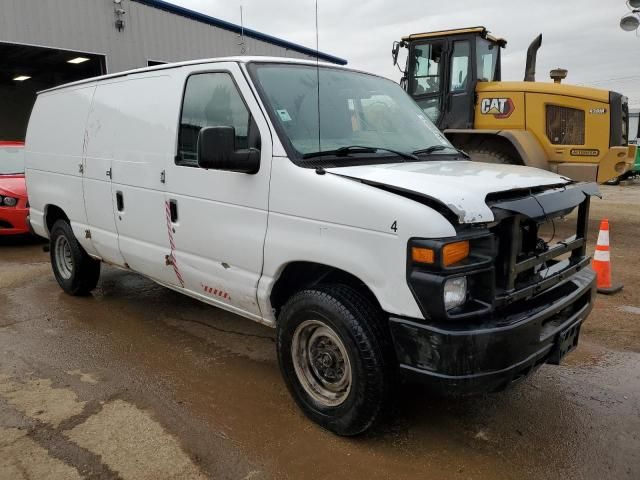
{"points": [[119, 201], [173, 210]]}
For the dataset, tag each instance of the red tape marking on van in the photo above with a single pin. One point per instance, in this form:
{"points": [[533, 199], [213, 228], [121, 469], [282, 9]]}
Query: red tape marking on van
{"points": [[215, 292], [172, 244]]}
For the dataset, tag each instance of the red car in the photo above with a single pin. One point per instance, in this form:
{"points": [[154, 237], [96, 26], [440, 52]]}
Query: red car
{"points": [[14, 207]]}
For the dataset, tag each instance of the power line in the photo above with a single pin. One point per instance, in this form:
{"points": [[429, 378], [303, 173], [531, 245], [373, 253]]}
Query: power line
{"points": [[616, 79]]}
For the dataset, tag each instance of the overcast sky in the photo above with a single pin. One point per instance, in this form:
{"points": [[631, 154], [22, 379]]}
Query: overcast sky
{"points": [[581, 36]]}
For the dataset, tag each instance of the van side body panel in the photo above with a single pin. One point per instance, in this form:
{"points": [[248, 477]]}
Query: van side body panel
{"points": [[54, 151], [131, 129]]}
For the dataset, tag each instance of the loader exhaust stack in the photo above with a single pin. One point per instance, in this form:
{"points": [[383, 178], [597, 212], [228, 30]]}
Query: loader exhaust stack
{"points": [[532, 52]]}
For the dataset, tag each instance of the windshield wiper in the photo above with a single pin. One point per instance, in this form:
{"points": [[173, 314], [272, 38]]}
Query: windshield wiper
{"points": [[437, 148], [345, 151]]}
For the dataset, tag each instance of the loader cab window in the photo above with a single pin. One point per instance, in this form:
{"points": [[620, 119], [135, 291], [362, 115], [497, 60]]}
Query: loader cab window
{"points": [[460, 67], [427, 65], [211, 100], [634, 128], [488, 56], [427, 68]]}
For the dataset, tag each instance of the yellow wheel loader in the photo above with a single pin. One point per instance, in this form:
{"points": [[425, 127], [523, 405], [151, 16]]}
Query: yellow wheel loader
{"points": [[454, 75]]}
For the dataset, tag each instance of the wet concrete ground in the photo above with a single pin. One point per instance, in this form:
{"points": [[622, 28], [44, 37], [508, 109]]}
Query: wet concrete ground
{"points": [[140, 382]]}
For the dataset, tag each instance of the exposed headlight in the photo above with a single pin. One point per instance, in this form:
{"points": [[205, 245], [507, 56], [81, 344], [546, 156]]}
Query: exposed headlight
{"points": [[455, 292], [10, 201]]}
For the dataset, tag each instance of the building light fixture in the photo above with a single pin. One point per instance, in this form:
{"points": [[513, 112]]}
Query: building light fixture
{"points": [[21, 78], [78, 60]]}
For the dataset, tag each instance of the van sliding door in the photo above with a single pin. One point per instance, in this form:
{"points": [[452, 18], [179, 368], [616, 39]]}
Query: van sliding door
{"points": [[96, 183], [135, 118]]}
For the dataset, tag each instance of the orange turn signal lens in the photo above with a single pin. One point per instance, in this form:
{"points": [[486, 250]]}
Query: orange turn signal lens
{"points": [[454, 252], [422, 255]]}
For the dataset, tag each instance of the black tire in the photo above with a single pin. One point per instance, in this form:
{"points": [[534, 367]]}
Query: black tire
{"points": [[491, 156], [361, 327], [79, 273]]}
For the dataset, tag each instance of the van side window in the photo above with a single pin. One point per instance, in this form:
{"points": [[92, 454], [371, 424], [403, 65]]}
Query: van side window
{"points": [[211, 100]]}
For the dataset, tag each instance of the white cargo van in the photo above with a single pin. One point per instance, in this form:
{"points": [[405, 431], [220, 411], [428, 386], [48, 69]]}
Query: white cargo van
{"points": [[320, 201]]}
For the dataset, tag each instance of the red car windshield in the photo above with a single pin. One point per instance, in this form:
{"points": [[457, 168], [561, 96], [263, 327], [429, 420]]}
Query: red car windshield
{"points": [[11, 158]]}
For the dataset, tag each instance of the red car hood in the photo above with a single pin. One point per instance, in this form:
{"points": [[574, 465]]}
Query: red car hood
{"points": [[13, 185]]}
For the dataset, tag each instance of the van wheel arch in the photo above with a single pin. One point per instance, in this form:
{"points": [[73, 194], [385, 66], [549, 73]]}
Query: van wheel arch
{"points": [[297, 276], [53, 213]]}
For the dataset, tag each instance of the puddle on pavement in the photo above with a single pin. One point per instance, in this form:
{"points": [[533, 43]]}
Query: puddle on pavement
{"points": [[580, 419]]}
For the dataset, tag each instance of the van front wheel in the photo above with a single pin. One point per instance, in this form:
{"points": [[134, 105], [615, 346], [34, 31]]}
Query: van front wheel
{"points": [[332, 357], [76, 272]]}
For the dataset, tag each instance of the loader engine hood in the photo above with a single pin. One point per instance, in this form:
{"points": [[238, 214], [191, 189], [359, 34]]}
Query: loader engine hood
{"points": [[461, 186]]}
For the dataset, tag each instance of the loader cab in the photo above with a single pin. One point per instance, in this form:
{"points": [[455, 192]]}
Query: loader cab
{"points": [[443, 68]]}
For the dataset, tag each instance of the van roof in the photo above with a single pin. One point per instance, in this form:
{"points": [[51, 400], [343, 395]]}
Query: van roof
{"points": [[168, 66]]}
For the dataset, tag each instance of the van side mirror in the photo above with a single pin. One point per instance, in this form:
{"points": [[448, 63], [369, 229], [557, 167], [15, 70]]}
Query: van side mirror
{"points": [[217, 150]]}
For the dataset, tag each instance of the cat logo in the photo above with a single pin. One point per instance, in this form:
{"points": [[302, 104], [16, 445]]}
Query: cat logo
{"points": [[498, 107]]}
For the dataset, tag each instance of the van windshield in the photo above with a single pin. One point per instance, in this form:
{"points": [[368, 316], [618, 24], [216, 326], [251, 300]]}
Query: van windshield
{"points": [[363, 116], [11, 160]]}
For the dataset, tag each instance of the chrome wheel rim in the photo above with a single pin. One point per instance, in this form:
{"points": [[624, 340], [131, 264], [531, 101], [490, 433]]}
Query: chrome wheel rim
{"points": [[321, 363], [64, 259]]}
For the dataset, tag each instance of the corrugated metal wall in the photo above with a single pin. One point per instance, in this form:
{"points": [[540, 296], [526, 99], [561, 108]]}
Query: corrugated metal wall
{"points": [[149, 34]]}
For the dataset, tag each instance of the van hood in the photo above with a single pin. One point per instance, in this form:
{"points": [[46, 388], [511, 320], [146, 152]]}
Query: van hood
{"points": [[462, 186]]}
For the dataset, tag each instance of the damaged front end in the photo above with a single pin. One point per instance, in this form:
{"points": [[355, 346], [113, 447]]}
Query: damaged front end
{"points": [[528, 290]]}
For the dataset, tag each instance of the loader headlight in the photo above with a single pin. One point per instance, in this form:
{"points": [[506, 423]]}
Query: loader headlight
{"points": [[455, 292]]}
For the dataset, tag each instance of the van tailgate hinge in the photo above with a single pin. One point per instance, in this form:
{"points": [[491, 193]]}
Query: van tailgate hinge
{"points": [[80, 168], [87, 234], [163, 176]]}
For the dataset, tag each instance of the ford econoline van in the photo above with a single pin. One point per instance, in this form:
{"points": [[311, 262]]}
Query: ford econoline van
{"points": [[320, 201]]}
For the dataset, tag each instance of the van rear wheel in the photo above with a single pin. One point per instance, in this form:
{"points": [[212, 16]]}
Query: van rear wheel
{"points": [[334, 359], [75, 271]]}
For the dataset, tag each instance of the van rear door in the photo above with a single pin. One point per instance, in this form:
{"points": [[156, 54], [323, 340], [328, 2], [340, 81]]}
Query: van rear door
{"points": [[96, 184], [219, 218]]}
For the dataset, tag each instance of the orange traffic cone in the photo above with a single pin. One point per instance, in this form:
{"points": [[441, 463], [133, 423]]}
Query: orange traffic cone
{"points": [[602, 261]]}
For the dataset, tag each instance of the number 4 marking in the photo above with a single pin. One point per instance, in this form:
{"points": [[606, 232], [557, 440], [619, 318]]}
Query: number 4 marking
{"points": [[394, 226]]}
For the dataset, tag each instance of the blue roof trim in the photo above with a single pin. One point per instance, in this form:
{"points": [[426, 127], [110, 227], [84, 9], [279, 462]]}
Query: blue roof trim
{"points": [[216, 22]]}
